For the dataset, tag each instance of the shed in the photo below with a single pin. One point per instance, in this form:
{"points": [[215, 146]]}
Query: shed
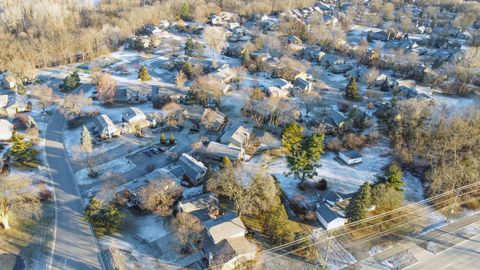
{"points": [[218, 151], [350, 157]]}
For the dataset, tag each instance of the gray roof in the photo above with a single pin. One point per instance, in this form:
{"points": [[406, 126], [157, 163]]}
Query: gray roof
{"points": [[220, 150], [223, 227], [326, 213], [352, 154], [337, 117], [133, 112], [332, 196], [102, 121], [191, 166]]}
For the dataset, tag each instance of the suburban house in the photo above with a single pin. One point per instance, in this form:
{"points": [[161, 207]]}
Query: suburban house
{"points": [[6, 129], [225, 74], [329, 218], [16, 104], [213, 120], [202, 206], [237, 137], [273, 91], [166, 95], [337, 118], [134, 119], [194, 170], [331, 197], [303, 84], [132, 94], [9, 81], [218, 151], [227, 242], [104, 127], [350, 157]]}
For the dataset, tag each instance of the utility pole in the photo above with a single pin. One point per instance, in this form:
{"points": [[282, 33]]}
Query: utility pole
{"points": [[453, 205]]}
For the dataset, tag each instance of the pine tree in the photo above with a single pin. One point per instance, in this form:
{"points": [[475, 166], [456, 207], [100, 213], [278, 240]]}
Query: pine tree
{"points": [[22, 151], [171, 140], [245, 57], [189, 47], [163, 139], [300, 164], [86, 140], [394, 177], [226, 163], [275, 223], [105, 217], [351, 90], [314, 146], [292, 135], [360, 203], [143, 74]]}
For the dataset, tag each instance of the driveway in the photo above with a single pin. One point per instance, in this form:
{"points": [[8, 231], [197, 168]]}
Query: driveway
{"points": [[75, 246]]}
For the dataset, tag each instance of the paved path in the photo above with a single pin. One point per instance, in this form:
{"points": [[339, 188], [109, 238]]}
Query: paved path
{"points": [[74, 245]]}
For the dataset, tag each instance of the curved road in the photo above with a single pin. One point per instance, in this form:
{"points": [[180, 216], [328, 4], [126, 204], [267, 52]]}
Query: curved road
{"points": [[74, 246]]}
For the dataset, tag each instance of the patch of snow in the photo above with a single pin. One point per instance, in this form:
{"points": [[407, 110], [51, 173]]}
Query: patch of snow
{"points": [[413, 188], [151, 228], [120, 165]]}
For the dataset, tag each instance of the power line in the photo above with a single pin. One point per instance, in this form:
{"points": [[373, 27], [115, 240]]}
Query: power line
{"points": [[420, 203]]}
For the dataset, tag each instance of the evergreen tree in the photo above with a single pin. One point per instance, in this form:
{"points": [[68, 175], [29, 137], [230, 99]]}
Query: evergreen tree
{"points": [[71, 81], [189, 47], [385, 87], [22, 151], [314, 146], [351, 90], [360, 203], [163, 139], [245, 57], [143, 74], [185, 11], [101, 216], [292, 135], [394, 177], [275, 224], [86, 140], [171, 140], [226, 163], [300, 164]]}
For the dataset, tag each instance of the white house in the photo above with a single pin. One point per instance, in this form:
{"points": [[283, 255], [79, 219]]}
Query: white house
{"points": [[9, 81], [104, 126], [6, 129], [133, 114], [350, 157], [236, 137], [328, 218]]}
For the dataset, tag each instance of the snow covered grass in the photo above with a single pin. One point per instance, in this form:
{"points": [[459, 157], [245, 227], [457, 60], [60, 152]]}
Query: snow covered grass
{"points": [[150, 228], [399, 261], [413, 188], [120, 165], [379, 248]]}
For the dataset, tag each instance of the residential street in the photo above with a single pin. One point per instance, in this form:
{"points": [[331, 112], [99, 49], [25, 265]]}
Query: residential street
{"points": [[74, 245], [463, 256]]}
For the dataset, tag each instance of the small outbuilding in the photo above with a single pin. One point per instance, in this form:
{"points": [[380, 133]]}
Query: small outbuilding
{"points": [[350, 157]]}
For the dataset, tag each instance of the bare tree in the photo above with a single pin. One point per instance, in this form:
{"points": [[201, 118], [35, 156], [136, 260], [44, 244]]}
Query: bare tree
{"points": [[181, 78], [188, 230], [74, 103], [216, 39], [310, 99], [371, 76], [208, 87], [17, 198], [159, 196], [174, 114], [106, 87], [86, 156], [44, 94]]}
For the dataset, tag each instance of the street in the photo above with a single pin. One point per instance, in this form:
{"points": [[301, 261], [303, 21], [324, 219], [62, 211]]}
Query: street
{"points": [[464, 256], [74, 243]]}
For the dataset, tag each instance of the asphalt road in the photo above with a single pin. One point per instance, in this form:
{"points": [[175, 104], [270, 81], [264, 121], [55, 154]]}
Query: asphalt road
{"points": [[74, 245], [464, 256]]}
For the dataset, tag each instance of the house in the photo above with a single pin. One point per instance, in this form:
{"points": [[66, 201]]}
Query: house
{"points": [[216, 20], [261, 55], [16, 104], [165, 95], [274, 91], [225, 74], [294, 40], [237, 137], [226, 226], [9, 81], [303, 84], [133, 114], [350, 157], [218, 151], [329, 218], [226, 254], [104, 127], [193, 169], [213, 120], [331, 197], [132, 94], [337, 118], [3, 101], [6, 129], [201, 206], [313, 54]]}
